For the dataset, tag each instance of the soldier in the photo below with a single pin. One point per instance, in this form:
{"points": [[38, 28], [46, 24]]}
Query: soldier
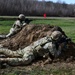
{"points": [[17, 26], [44, 46]]}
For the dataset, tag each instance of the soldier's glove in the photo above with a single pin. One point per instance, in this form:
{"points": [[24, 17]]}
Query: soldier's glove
{"points": [[24, 24]]}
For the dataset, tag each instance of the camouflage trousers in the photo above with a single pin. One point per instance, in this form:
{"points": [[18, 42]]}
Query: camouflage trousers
{"points": [[13, 31], [27, 55]]}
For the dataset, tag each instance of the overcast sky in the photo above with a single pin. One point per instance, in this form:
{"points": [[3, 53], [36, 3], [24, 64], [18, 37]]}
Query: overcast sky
{"points": [[66, 1]]}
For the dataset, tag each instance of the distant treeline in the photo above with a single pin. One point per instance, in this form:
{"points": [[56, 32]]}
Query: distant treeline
{"points": [[36, 8]]}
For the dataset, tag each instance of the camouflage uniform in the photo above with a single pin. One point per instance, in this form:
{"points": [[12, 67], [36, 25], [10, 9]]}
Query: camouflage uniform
{"points": [[17, 26], [25, 56]]}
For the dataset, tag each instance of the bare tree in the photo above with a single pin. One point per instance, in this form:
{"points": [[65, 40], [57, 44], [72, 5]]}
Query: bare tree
{"points": [[36, 8]]}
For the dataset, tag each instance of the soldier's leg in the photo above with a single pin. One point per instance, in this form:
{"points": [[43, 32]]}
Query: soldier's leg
{"points": [[27, 59], [10, 53], [10, 33]]}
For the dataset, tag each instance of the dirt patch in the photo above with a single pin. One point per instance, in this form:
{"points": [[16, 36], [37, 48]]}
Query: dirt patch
{"points": [[31, 33]]}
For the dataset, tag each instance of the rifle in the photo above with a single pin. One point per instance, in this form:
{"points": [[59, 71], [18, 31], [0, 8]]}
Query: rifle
{"points": [[62, 40], [28, 20]]}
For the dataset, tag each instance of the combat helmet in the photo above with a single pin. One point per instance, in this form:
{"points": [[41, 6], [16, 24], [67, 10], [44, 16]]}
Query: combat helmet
{"points": [[56, 35], [21, 17]]}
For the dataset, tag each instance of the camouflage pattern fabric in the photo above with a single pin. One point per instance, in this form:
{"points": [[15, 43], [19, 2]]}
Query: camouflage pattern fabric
{"points": [[27, 55], [17, 26]]}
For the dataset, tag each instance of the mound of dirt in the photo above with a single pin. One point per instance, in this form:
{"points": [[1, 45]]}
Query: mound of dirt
{"points": [[27, 35], [31, 33]]}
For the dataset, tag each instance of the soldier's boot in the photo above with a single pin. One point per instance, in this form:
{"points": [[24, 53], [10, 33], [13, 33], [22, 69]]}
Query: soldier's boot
{"points": [[4, 63], [2, 36], [48, 61]]}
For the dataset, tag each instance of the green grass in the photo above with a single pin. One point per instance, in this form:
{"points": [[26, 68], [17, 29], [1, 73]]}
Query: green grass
{"points": [[68, 25], [38, 71], [52, 72], [5, 26]]}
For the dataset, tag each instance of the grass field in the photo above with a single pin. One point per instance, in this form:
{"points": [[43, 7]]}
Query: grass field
{"points": [[68, 25]]}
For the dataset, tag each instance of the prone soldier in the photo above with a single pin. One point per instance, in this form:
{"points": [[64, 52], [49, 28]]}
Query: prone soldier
{"points": [[17, 26], [41, 47]]}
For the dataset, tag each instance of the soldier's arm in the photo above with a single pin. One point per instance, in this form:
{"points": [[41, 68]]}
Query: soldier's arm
{"points": [[13, 25], [27, 21], [17, 24], [24, 24]]}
